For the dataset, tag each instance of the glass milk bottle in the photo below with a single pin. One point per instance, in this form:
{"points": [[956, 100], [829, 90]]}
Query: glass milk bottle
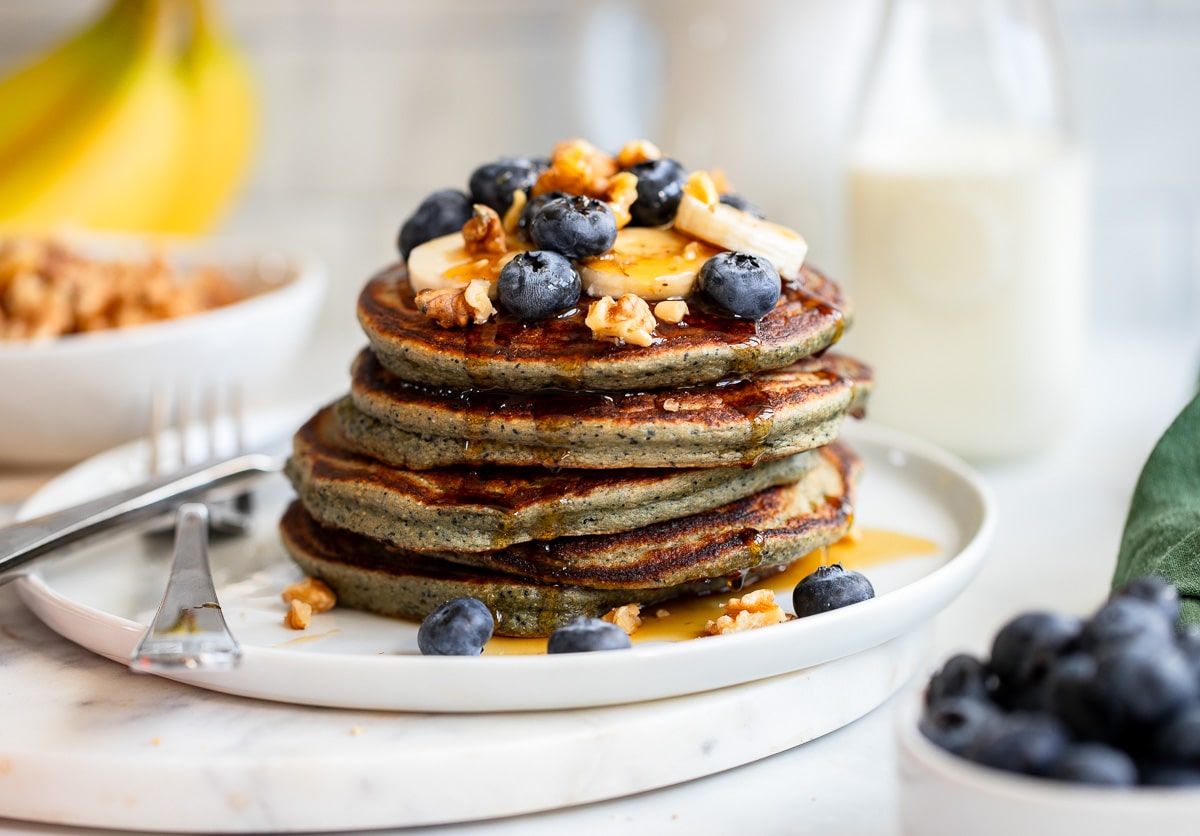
{"points": [[967, 227]]}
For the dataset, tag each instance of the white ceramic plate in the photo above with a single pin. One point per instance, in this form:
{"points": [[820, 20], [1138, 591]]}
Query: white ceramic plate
{"points": [[102, 597]]}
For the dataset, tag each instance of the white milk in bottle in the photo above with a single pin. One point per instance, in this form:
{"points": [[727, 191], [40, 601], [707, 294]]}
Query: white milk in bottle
{"points": [[968, 278], [967, 228]]}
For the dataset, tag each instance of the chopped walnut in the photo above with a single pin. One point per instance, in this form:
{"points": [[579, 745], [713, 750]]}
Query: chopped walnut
{"points": [[455, 307], [477, 293], [577, 167], [627, 617], [701, 186], [637, 151], [671, 310], [47, 289], [628, 319], [752, 610], [298, 615], [484, 233], [661, 613], [622, 192], [313, 592]]}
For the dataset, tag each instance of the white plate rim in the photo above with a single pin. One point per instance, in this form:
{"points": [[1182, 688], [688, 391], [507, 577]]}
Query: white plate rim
{"points": [[517, 683]]}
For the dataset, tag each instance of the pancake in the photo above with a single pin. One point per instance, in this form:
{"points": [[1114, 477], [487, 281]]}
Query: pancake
{"points": [[490, 508], [773, 415], [772, 527], [505, 353], [371, 575]]}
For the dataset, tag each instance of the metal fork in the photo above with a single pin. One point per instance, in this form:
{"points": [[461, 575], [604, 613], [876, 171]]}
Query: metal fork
{"points": [[189, 630]]}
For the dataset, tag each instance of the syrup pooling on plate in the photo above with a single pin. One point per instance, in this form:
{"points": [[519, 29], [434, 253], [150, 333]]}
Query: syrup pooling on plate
{"points": [[685, 618]]}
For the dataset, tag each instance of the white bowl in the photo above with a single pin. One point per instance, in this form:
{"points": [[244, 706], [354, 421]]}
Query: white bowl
{"points": [[66, 398], [943, 794]]}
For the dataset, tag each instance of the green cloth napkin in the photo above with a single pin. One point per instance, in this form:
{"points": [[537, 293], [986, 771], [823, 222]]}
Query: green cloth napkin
{"points": [[1162, 532]]}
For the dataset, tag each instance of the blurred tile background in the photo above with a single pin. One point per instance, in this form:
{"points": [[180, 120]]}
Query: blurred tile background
{"points": [[370, 104]]}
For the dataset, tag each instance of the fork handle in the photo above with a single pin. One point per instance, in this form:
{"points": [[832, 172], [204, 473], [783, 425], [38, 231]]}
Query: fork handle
{"points": [[23, 541], [188, 630]]}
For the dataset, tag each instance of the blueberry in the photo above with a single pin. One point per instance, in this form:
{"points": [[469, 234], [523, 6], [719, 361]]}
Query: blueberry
{"points": [[830, 588], [739, 202], [493, 184], [1095, 763], [745, 285], [459, 627], [1156, 591], [1143, 683], [439, 214], [586, 634], [659, 190], [1170, 775], [532, 207], [575, 226], [1076, 699], [538, 284], [1025, 649], [1178, 740], [1126, 619], [957, 723], [1030, 744], [1188, 641], [961, 676]]}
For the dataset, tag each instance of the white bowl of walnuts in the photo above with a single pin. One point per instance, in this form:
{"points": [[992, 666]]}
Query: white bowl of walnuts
{"points": [[88, 331]]}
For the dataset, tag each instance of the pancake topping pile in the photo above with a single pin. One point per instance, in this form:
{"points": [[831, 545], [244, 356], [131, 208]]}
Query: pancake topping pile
{"points": [[593, 382]]}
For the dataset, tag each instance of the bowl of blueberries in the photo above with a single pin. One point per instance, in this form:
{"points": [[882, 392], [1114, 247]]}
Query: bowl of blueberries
{"points": [[1071, 725]]}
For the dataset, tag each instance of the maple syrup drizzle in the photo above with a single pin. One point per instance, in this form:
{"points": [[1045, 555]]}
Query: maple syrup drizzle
{"points": [[684, 618]]}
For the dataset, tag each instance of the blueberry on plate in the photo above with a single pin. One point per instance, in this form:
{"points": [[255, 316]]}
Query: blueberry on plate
{"points": [[745, 285], [538, 284], [1178, 740], [439, 214], [574, 226], [1144, 683], [659, 190], [493, 184], [585, 634], [458, 627], [739, 202], [830, 588], [532, 207]]}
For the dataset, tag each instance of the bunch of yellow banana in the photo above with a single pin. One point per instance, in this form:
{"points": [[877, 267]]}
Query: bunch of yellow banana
{"points": [[142, 122]]}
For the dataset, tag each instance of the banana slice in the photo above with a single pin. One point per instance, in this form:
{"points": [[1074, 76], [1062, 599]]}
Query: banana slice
{"points": [[652, 263], [733, 229], [444, 262]]}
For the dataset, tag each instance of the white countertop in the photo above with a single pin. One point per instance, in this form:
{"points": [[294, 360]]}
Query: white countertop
{"points": [[1060, 518]]}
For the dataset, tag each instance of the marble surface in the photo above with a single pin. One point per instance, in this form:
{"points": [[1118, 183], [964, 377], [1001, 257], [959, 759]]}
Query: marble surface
{"points": [[1061, 514], [140, 752]]}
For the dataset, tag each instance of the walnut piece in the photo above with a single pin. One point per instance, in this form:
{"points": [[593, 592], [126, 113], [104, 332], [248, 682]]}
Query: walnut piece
{"points": [[754, 609], [627, 617], [628, 319], [455, 307], [671, 310], [637, 151], [577, 167], [484, 233], [313, 592], [298, 614]]}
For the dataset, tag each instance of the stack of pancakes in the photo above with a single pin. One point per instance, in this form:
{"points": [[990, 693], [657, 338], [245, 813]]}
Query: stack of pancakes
{"points": [[551, 474]]}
